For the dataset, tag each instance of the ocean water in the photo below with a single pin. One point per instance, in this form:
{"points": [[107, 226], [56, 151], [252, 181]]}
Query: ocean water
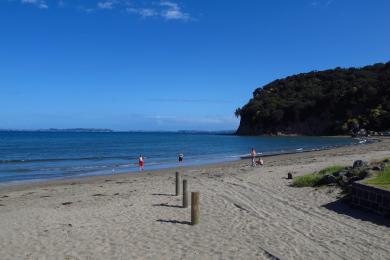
{"points": [[31, 156]]}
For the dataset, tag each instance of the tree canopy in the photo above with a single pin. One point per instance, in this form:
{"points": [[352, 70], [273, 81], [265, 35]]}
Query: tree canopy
{"points": [[326, 102]]}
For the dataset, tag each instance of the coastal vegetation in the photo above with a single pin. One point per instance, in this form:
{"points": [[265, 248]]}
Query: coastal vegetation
{"points": [[381, 178], [330, 102], [377, 173], [315, 179]]}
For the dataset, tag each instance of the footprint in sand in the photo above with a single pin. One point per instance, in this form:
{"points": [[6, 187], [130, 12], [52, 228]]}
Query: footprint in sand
{"points": [[98, 195], [67, 203], [28, 193], [241, 207]]}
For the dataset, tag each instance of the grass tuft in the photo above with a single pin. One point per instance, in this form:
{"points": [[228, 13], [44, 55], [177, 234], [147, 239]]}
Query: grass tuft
{"points": [[314, 179], [331, 170], [308, 180]]}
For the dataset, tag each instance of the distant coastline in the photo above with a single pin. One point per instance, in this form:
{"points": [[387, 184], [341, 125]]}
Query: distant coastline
{"points": [[106, 130], [77, 130]]}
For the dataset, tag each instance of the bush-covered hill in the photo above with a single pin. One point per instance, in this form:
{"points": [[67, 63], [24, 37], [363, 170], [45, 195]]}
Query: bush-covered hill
{"points": [[320, 103]]}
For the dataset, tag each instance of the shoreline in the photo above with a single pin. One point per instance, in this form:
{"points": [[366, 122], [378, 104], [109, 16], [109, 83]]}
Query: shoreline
{"points": [[163, 171], [19, 168]]}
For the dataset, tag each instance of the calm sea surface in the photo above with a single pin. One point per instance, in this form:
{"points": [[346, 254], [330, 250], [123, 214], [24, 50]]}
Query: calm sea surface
{"points": [[29, 156]]}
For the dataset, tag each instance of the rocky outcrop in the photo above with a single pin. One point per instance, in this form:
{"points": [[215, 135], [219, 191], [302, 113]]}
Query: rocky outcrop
{"points": [[346, 177]]}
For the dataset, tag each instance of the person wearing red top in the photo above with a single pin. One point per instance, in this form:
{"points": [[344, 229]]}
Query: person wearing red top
{"points": [[141, 163]]}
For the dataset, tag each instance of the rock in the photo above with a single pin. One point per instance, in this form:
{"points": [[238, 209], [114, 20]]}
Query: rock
{"points": [[352, 172], [360, 172], [354, 178], [377, 168], [363, 174], [342, 173], [328, 179], [359, 163], [289, 176], [343, 182]]}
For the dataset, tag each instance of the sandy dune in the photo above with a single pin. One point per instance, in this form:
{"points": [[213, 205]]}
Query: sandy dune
{"points": [[246, 213]]}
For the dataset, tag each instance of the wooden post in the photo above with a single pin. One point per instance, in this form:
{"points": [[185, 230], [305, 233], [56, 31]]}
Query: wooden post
{"points": [[195, 208], [177, 183], [289, 176], [185, 194]]}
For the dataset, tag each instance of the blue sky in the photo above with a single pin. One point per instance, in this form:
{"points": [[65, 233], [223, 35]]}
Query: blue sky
{"points": [[168, 65]]}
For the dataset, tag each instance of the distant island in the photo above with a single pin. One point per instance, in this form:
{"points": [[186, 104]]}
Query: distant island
{"points": [[78, 130], [104, 130], [330, 102]]}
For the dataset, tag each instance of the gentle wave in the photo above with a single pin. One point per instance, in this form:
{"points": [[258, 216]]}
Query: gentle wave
{"points": [[65, 155], [68, 159]]}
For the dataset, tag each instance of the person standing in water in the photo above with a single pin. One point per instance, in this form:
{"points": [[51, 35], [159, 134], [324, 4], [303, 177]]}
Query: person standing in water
{"points": [[253, 155], [181, 157], [141, 163]]}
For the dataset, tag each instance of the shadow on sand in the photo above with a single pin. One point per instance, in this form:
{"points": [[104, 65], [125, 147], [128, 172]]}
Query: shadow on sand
{"points": [[174, 221], [342, 207], [163, 194], [166, 205]]}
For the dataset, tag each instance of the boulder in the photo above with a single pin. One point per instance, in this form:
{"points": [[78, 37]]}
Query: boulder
{"points": [[354, 178], [342, 173], [359, 163], [343, 181], [377, 167], [328, 179], [357, 172]]}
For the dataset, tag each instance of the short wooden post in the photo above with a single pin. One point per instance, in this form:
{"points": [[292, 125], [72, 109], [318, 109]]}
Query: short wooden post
{"points": [[289, 176], [185, 194], [177, 183], [195, 208]]}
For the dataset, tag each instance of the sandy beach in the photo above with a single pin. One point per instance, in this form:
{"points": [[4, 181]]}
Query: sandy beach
{"points": [[246, 213]]}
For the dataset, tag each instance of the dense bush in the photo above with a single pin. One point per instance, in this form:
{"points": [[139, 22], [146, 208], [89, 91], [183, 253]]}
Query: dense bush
{"points": [[321, 103]]}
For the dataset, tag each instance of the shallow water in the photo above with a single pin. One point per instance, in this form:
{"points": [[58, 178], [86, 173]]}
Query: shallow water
{"points": [[28, 156]]}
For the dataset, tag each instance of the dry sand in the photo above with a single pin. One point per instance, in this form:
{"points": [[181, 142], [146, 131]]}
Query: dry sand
{"points": [[246, 213]]}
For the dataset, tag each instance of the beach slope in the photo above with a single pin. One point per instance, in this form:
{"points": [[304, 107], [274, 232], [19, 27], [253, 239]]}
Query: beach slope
{"points": [[246, 213]]}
